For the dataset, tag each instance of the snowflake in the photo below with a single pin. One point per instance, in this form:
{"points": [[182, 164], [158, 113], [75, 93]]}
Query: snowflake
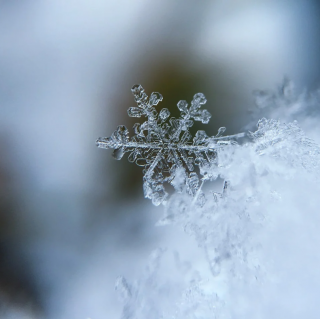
{"points": [[165, 148]]}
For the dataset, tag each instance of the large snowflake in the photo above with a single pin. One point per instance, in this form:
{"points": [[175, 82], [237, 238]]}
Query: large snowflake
{"points": [[165, 148]]}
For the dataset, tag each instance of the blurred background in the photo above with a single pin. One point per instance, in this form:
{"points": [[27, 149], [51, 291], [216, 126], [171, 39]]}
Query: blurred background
{"points": [[71, 218]]}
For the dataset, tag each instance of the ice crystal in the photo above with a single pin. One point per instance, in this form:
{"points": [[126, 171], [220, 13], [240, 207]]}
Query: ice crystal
{"points": [[235, 235], [164, 146], [289, 142], [250, 240]]}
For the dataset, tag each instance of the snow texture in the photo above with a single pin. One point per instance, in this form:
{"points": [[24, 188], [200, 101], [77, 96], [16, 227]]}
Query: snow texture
{"points": [[258, 238], [165, 148]]}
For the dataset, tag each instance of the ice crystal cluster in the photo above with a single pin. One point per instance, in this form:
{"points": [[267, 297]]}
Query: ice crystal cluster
{"points": [[255, 252], [165, 148]]}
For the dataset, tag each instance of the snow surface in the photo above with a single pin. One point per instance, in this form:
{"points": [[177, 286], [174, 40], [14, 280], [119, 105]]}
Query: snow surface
{"points": [[255, 246]]}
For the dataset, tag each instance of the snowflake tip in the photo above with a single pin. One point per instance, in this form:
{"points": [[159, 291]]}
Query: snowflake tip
{"points": [[155, 98], [220, 131], [199, 98], [139, 95], [104, 142], [183, 106]]}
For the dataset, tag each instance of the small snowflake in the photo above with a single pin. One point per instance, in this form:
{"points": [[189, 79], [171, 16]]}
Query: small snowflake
{"points": [[165, 148]]}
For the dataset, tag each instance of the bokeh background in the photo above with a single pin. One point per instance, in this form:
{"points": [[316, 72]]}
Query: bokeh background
{"points": [[71, 218]]}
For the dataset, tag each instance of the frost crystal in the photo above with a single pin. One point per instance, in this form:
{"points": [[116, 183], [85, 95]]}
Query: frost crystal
{"points": [[257, 239], [165, 147]]}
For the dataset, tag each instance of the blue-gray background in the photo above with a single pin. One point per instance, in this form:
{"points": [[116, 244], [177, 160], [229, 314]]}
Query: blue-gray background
{"points": [[71, 218]]}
